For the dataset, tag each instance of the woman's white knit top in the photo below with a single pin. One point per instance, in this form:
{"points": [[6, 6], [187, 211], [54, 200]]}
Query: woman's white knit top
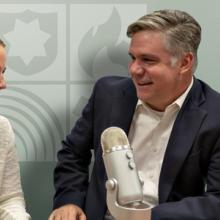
{"points": [[12, 205]]}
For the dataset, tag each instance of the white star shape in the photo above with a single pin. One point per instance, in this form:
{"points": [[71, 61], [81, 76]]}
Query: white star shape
{"points": [[27, 40]]}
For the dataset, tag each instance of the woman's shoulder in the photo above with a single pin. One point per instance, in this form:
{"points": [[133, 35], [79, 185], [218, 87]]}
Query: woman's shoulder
{"points": [[6, 132], [4, 123]]}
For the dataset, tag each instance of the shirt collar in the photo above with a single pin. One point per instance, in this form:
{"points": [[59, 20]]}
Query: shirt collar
{"points": [[178, 102]]}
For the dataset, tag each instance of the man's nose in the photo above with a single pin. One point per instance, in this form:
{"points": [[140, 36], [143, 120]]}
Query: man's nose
{"points": [[136, 68]]}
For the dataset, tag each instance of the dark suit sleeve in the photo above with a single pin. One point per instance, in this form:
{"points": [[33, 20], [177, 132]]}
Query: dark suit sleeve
{"points": [[72, 170], [204, 207]]}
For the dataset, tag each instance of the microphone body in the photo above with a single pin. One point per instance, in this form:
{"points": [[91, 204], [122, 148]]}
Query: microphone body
{"points": [[120, 166]]}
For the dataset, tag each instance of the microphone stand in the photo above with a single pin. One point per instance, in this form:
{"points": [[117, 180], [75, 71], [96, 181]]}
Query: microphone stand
{"points": [[138, 211]]}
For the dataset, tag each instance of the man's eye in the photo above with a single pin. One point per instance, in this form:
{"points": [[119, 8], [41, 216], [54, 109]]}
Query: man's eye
{"points": [[149, 60], [132, 58], [3, 71]]}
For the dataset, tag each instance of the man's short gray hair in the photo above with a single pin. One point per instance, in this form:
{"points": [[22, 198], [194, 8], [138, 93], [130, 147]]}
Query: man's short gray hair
{"points": [[181, 31]]}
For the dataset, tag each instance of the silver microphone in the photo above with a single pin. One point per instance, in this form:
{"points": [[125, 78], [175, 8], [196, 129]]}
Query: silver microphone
{"points": [[120, 166]]}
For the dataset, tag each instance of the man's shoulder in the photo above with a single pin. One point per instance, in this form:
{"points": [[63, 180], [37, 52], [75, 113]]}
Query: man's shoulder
{"points": [[207, 97], [115, 86], [209, 91], [113, 80]]}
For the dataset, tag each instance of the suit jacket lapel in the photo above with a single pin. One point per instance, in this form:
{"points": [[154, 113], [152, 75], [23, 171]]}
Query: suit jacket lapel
{"points": [[123, 107], [182, 136]]}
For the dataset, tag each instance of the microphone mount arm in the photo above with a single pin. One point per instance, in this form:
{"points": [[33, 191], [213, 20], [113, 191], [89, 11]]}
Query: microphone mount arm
{"points": [[140, 212]]}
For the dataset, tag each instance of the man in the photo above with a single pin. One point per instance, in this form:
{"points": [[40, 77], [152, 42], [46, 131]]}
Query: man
{"points": [[171, 119]]}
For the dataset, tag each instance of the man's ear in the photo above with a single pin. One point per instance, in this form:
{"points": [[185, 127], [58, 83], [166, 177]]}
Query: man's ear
{"points": [[187, 63]]}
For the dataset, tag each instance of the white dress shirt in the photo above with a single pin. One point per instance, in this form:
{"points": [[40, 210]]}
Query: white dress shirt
{"points": [[148, 136]]}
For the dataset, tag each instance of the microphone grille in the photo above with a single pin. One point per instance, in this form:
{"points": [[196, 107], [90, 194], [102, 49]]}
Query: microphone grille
{"points": [[112, 137]]}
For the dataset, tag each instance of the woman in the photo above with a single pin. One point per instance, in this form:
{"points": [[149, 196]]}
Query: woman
{"points": [[12, 206]]}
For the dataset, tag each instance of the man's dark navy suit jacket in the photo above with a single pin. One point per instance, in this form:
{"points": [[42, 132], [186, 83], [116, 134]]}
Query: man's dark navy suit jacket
{"points": [[189, 185]]}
